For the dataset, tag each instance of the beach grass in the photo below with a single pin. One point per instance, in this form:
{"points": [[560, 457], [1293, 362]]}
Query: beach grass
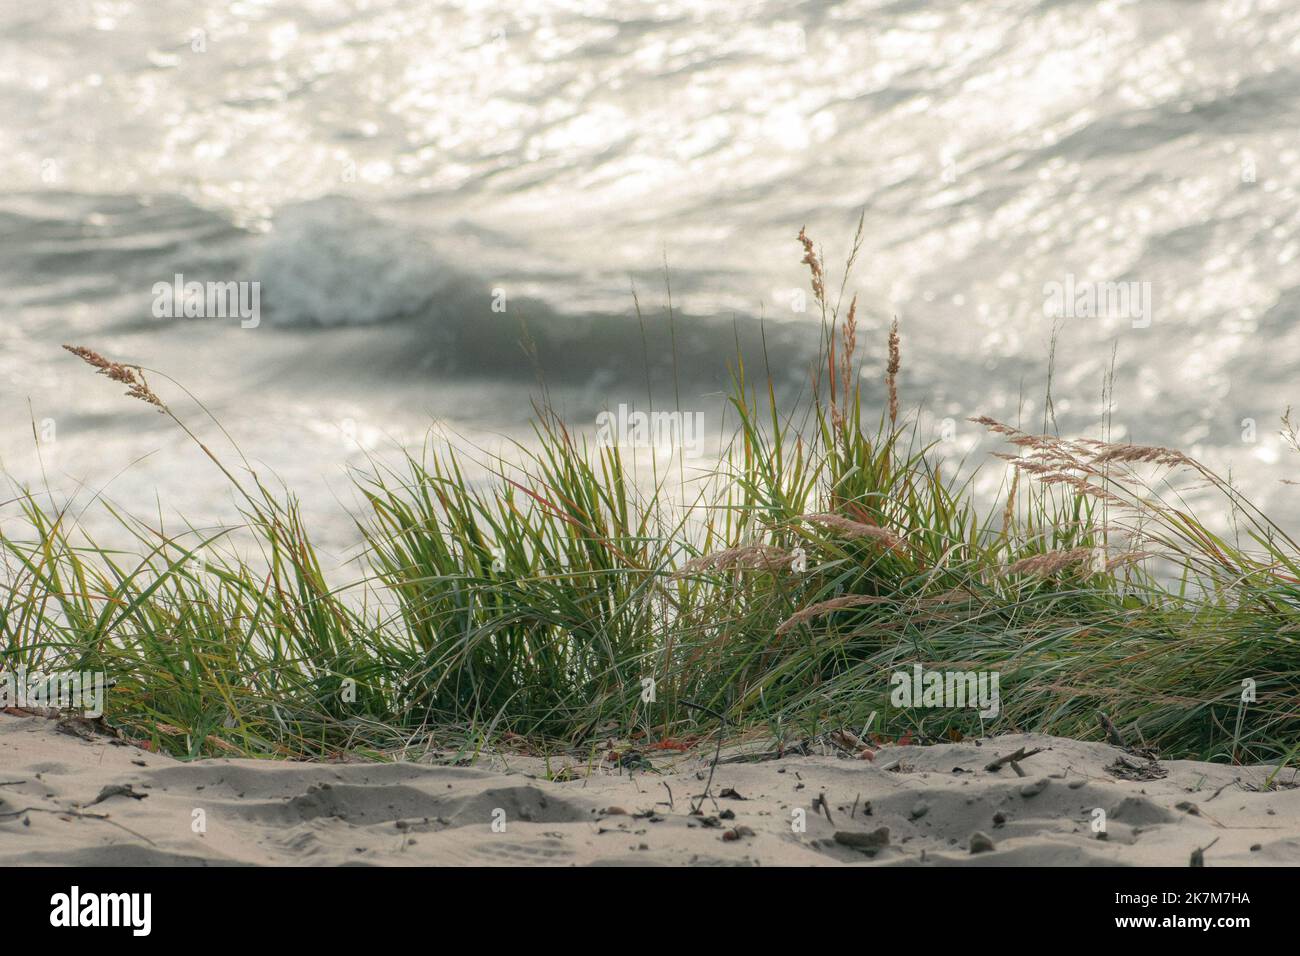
{"points": [[565, 598]]}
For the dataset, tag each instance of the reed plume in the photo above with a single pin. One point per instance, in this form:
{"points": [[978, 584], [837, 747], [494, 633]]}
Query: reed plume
{"points": [[848, 346], [1050, 562], [891, 372], [1146, 454], [758, 557], [814, 264], [129, 375], [824, 607], [1009, 512], [1053, 561], [1054, 460], [848, 528]]}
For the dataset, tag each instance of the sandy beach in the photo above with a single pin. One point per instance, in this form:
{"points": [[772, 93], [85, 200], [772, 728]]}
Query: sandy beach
{"points": [[70, 797]]}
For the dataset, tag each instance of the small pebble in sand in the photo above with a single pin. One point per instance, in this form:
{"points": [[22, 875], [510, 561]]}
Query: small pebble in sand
{"points": [[981, 842], [871, 842], [741, 831], [999, 818], [919, 810], [1034, 789]]}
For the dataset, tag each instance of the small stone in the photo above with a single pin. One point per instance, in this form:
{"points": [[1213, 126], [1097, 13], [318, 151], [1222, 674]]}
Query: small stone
{"points": [[870, 843], [981, 842], [1034, 789], [920, 810]]}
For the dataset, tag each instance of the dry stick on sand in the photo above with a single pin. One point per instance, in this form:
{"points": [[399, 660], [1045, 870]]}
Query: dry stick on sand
{"points": [[1112, 732], [102, 817], [820, 803], [1198, 855], [1021, 754], [722, 729]]}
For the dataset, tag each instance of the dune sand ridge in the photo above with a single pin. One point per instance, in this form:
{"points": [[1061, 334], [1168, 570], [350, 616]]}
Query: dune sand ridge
{"points": [[84, 800]]}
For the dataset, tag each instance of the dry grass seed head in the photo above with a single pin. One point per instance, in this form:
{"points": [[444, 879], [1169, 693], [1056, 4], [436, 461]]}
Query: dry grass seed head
{"points": [[814, 264], [823, 607], [128, 375], [855, 529], [891, 371]]}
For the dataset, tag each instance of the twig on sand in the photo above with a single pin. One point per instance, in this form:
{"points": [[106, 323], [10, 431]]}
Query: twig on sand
{"points": [[1112, 732], [103, 817], [796, 750], [1223, 788], [117, 790], [722, 729], [820, 804], [1021, 754], [1198, 855]]}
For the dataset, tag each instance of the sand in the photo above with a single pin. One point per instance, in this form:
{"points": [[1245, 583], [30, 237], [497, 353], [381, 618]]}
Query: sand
{"points": [[910, 805]]}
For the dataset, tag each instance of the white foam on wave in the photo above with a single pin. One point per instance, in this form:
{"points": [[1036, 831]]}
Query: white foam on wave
{"points": [[329, 262]]}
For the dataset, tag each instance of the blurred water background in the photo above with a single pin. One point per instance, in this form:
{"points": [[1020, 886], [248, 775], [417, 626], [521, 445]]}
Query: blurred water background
{"points": [[390, 170]]}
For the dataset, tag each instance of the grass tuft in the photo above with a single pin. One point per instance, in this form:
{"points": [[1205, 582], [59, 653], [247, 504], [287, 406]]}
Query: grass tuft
{"points": [[781, 592]]}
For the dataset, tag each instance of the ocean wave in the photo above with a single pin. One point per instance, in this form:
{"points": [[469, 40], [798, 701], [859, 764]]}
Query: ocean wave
{"points": [[329, 262]]}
